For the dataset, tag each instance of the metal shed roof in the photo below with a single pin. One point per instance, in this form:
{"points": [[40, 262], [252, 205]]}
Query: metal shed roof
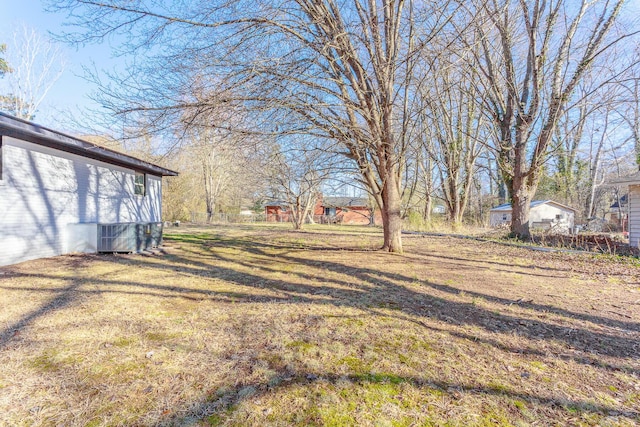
{"points": [[32, 132]]}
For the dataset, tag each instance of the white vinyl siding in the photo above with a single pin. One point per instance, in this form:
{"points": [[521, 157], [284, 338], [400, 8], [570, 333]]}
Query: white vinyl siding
{"points": [[499, 218], [562, 220], [45, 190], [634, 215], [548, 214]]}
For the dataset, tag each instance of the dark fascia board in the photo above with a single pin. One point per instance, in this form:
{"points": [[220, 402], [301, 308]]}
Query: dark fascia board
{"points": [[28, 131]]}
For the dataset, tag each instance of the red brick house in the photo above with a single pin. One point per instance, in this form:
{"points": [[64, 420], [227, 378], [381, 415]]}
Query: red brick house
{"points": [[277, 211], [328, 210], [347, 210]]}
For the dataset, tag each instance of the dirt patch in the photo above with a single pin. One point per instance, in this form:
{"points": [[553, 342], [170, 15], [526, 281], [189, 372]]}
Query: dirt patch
{"points": [[257, 325]]}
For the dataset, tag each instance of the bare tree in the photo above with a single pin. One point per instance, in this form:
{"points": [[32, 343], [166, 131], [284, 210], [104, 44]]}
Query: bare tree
{"points": [[630, 113], [341, 69], [296, 176], [218, 166], [36, 65], [419, 171], [456, 125], [223, 159], [4, 67], [216, 175], [182, 195], [534, 55], [596, 178], [567, 143]]}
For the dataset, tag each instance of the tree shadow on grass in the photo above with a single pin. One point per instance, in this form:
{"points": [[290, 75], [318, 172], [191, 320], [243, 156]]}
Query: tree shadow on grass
{"points": [[371, 290], [375, 289], [374, 293], [62, 299], [387, 285], [458, 264], [226, 403]]}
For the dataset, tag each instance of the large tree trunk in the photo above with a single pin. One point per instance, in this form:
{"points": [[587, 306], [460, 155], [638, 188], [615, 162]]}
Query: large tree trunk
{"points": [[298, 214], [209, 213], [426, 213], [428, 188], [521, 204], [391, 218]]}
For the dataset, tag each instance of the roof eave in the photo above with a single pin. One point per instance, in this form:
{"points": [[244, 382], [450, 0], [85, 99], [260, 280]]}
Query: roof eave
{"points": [[31, 132], [635, 181]]}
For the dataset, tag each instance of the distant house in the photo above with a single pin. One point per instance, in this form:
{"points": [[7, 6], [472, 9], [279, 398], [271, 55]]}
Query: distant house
{"points": [[544, 214], [618, 210], [343, 210], [277, 211], [60, 194], [633, 182], [439, 209], [346, 210]]}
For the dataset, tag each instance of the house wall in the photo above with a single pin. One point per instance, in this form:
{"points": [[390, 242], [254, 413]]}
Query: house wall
{"points": [[497, 219], [547, 213], [539, 215], [356, 215], [276, 214], [44, 192], [353, 215], [634, 215]]}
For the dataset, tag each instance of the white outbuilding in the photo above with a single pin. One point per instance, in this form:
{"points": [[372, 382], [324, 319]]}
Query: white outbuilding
{"points": [[60, 194], [543, 214]]}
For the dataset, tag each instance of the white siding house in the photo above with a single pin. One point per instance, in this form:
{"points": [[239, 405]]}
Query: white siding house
{"points": [[55, 190], [544, 214], [633, 182], [634, 215]]}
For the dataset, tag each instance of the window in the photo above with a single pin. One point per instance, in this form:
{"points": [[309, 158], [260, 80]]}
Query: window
{"points": [[558, 217], [140, 184], [504, 217], [330, 211]]}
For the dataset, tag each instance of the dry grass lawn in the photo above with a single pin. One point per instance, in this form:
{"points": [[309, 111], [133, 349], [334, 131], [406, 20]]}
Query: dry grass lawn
{"points": [[261, 325]]}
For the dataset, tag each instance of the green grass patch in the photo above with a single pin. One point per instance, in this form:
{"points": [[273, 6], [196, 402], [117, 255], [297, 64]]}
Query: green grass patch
{"points": [[300, 345], [124, 341]]}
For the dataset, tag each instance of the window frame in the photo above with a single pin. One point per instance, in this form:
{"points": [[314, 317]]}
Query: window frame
{"points": [[137, 185]]}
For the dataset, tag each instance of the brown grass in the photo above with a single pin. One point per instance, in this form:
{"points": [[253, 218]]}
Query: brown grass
{"points": [[260, 325]]}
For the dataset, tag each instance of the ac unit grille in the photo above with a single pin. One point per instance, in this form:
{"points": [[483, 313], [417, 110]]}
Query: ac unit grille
{"points": [[129, 237]]}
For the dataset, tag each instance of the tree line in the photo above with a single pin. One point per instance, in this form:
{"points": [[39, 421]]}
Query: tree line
{"points": [[460, 102]]}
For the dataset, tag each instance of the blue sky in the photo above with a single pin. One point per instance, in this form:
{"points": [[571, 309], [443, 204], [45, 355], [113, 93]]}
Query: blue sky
{"points": [[70, 93]]}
